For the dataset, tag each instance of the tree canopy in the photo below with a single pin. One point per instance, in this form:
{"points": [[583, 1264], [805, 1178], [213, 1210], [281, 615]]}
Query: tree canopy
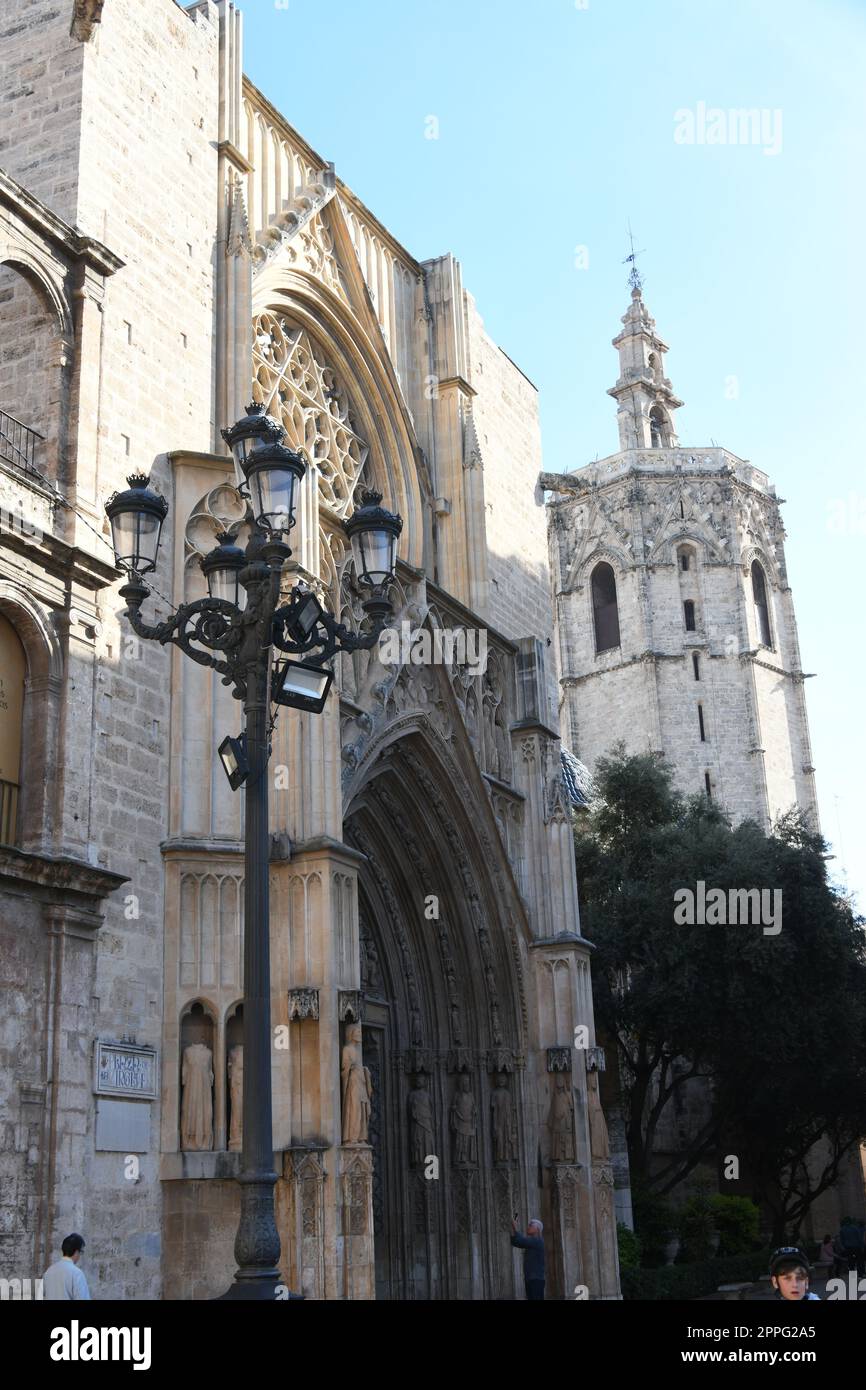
{"points": [[773, 1017]]}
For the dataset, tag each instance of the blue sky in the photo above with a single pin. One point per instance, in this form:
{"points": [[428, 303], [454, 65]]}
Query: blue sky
{"points": [[556, 125]]}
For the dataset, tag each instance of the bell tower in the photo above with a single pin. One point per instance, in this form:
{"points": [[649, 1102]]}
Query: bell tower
{"points": [[644, 395], [675, 619]]}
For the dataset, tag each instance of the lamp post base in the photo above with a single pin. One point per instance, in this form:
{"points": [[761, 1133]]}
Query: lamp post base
{"points": [[251, 1291]]}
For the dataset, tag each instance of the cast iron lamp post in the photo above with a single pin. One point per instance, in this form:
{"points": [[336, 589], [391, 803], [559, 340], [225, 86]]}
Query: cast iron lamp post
{"points": [[252, 645]]}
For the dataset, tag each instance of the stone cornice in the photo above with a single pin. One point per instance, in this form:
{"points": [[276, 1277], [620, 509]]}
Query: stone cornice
{"points": [[47, 224], [189, 458], [533, 726], [58, 873], [567, 938], [457, 383], [233, 154], [67, 562], [325, 847], [205, 850]]}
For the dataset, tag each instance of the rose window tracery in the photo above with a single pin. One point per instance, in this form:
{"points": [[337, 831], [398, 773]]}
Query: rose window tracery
{"points": [[296, 384]]}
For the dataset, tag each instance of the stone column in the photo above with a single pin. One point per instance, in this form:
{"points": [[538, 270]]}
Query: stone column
{"points": [[315, 948], [234, 356]]}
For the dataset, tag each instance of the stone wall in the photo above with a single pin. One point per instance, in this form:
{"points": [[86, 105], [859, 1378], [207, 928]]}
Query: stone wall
{"points": [[645, 692], [505, 412], [41, 101], [151, 100]]}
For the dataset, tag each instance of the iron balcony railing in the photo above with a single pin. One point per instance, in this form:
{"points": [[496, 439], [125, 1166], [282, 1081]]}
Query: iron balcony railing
{"points": [[8, 812], [18, 444]]}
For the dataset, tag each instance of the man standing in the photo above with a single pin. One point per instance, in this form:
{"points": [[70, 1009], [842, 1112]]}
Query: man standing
{"points": [[64, 1279], [532, 1246]]}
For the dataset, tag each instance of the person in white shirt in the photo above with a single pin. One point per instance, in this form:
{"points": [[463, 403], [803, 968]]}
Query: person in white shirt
{"points": [[64, 1279]]}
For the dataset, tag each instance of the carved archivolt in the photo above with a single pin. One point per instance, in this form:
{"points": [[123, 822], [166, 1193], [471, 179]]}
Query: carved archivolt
{"points": [[299, 387]]}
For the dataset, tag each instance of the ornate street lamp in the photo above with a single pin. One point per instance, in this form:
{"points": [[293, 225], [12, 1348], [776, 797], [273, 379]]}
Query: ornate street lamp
{"points": [[239, 640], [136, 518]]}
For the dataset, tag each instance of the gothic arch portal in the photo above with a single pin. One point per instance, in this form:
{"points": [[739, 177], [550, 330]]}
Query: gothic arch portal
{"points": [[444, 1014]]}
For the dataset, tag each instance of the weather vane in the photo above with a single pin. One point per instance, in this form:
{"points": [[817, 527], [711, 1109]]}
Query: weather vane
{"points": [[635, 278]]}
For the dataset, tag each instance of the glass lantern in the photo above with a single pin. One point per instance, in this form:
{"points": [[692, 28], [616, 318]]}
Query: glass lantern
{"points": [[222, 567], [273, 473], [136, 517], [254, 429], [373, 533]]}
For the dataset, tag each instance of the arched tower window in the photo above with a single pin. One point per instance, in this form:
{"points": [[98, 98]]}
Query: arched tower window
{"points": [[762, 608], [689, 614], [659, 428], [13, 669], [605, 613]]}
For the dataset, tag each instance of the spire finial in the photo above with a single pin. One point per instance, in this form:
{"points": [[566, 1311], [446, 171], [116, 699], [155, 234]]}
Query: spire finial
{"points": [[635, 279]]}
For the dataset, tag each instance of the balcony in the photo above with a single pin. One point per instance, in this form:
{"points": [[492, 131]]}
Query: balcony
{"points": [[18, 446]]}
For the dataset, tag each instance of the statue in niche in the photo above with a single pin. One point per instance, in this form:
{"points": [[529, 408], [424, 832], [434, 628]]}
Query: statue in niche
{"points": [[502, 1118], [598, 1136], [370, 970], [463, 1123], [562, 1121], [503, 749], [357, 1089], [196, 1111], [421, 1140], [236, 1096]]}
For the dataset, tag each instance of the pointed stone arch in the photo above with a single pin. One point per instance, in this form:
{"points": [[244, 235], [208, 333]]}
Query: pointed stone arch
{"points": [[445, 1000], [349, 332]]}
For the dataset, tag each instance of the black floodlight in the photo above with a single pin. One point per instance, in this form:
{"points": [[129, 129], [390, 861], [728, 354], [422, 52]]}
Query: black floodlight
{"points": [[302, 685], [233, 756]]}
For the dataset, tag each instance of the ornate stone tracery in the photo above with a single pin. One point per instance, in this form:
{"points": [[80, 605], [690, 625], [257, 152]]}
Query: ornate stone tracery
{"points": [[295, 382]]}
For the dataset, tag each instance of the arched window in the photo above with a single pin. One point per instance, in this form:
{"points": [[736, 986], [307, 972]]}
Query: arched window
{"points": [[31, 379], [605, 614], [659, 432], [13, 668], [689, 614], [762, 609]]}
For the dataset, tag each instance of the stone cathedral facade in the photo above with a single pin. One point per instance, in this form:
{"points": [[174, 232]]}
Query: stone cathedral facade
{"points": [[170, 247]]}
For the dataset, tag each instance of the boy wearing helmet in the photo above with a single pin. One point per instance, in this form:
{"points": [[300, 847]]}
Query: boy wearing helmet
{"points": [[789, 1274]]}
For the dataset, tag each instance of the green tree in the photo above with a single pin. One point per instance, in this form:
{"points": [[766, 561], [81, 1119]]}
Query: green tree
{"points": [[774, 1025]]}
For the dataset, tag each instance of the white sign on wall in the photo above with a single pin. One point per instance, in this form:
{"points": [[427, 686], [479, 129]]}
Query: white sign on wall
{"points": [[123, 1069]]}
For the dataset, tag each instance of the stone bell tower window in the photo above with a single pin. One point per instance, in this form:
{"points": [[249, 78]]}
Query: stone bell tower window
{"points": [[689, 614], [659, 429], [762, 608], [605, 612]]}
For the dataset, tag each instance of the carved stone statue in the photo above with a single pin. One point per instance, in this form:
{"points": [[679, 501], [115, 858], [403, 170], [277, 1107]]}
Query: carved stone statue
{"points": [[196, 1111], [598, 1136], [463, 1123], [236, 1096], [421, 1140], [357, 1088], [502, 1121], [562, 1121]]}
